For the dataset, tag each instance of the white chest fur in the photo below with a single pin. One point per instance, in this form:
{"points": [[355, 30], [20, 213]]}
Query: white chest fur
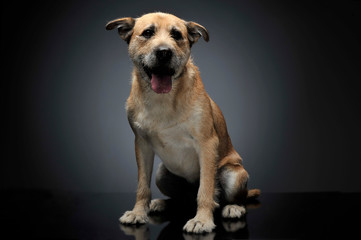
{"points": [[178, 151], [171, 139]]}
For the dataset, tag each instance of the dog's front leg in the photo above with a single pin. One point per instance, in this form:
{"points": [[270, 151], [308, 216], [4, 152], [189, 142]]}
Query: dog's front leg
{"points": [[203, 221], [145, 157]]}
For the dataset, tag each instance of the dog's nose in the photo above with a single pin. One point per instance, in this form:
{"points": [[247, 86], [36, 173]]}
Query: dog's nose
{"points": [[164, 54]]}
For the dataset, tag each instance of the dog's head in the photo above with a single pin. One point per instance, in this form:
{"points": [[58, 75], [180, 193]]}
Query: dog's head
{"points": [[159, 45]]}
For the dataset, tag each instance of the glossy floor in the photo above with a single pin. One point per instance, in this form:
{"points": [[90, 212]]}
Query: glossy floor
{"points": [[60, 215]]}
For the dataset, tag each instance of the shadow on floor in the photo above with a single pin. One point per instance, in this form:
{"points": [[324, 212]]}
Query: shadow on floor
{"points": [[177, 214], [44, 214]]}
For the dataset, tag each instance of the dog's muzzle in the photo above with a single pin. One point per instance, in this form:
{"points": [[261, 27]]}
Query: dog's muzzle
{"points": [[161, 73], [163, 55]]}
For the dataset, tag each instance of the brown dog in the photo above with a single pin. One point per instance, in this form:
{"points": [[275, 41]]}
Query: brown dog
{"points": [[172, 116]]}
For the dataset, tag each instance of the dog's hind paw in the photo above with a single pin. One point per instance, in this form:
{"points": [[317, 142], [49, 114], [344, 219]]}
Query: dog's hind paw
{"points": [[233, 211], [132, 217], [158, 205]]}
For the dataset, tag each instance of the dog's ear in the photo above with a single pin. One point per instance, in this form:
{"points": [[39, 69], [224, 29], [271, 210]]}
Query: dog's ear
{"points": [[195, 31], [124, 25]]}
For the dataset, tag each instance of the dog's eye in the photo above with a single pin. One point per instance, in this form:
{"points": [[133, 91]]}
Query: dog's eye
{"points": [[148, 33], [177, 35]]}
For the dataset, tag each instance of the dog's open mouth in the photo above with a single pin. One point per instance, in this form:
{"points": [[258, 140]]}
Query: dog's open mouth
{"points": [[160, 78]]}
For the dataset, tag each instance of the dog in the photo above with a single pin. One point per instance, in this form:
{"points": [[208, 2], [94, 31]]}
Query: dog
{"points": [[172, 116]]}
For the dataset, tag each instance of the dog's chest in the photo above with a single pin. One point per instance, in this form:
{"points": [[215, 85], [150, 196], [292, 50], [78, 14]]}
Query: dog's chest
{"points": [[178, 151], [173, 142]]}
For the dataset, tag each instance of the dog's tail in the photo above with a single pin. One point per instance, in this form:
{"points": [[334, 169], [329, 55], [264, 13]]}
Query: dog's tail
{"points": [[253, 193]]}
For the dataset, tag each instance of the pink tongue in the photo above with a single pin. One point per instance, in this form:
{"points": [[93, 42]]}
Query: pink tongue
{"points": [[161, 84]]}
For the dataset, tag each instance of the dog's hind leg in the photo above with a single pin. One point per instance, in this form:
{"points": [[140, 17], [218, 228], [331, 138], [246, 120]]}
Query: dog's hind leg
{"points": [[233, 179], [172, 186]]}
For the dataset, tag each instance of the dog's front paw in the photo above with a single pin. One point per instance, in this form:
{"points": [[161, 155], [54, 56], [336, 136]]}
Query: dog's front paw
{"points": [[233, 211], [197, 225], [132, 217]]}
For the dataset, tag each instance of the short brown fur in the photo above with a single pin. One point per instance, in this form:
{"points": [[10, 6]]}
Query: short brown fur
{"points": [[186, 114]]}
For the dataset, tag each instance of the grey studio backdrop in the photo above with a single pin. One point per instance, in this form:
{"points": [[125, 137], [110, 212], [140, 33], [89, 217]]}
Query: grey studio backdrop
{"points": [[284, 74]]}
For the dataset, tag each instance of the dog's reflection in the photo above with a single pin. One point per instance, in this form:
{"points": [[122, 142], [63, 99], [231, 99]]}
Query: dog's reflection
{"points": [[140, 232], [226, 228]]}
